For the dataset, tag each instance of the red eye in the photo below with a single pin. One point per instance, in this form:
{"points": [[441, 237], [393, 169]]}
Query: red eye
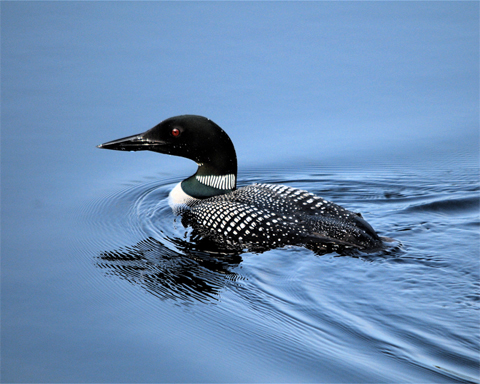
{"points": [[175, 132]]}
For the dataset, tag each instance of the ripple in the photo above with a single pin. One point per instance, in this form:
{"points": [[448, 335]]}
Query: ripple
{"points": [[449, 206], [309, 308], [141, 242], [165, 273]]}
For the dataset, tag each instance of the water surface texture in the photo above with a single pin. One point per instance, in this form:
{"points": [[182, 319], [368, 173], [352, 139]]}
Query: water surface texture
{"points": [[371, 105]]}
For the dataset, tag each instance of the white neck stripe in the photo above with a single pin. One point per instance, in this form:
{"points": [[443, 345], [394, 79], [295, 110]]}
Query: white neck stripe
{"points": [[219, 182]]}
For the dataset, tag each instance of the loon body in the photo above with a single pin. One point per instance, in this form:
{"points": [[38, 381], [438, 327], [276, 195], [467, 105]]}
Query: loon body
{"points": [[258, 216]]}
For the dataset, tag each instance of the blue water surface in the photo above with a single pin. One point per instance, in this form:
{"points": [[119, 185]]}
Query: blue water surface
{"points": [[373, 105]]}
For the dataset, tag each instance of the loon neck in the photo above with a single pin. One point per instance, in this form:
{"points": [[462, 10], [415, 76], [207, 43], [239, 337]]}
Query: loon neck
{"points": [[208, 181]]}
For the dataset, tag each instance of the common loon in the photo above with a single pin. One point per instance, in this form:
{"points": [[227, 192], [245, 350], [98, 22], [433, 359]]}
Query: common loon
{"points": [[258, 216]]}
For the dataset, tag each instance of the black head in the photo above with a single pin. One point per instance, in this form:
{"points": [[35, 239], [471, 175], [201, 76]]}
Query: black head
{"points": [[194, 137]]}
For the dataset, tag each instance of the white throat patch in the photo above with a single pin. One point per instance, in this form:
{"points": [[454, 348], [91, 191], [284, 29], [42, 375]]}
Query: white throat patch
{"points": [[178, 199]]}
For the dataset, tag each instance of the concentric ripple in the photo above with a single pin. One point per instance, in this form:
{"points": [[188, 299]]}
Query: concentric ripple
{"points": [[391, 304], [144, 243]]}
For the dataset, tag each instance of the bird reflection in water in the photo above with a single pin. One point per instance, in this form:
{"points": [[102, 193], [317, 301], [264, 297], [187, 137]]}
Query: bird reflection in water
{"points": [[184, 275]]}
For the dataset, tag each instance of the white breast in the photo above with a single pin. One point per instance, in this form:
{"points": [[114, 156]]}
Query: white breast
{"points": [[178, 199]]}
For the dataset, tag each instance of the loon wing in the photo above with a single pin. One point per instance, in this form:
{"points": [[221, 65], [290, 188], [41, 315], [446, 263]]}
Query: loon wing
{"points": [[322, 239], [268, 215]]}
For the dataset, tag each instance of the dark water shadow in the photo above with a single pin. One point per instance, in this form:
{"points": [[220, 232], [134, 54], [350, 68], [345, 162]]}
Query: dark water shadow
{"points": [[187, 272], [184, 275]]}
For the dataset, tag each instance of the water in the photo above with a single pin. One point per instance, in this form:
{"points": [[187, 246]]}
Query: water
{"points": [[390, 316], [99, 282]]}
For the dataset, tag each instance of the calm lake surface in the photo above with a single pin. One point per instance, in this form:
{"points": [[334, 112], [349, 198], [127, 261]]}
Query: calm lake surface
{"points": [[98, 283]]}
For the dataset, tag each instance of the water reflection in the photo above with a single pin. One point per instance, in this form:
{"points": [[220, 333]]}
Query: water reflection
{"points": [[185, 275]]}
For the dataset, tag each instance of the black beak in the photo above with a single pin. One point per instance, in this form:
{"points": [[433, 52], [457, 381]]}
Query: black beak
{"points": [[132, 143]]}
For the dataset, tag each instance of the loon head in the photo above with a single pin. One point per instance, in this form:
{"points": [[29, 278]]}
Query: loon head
{"points": [[196, 138]]}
